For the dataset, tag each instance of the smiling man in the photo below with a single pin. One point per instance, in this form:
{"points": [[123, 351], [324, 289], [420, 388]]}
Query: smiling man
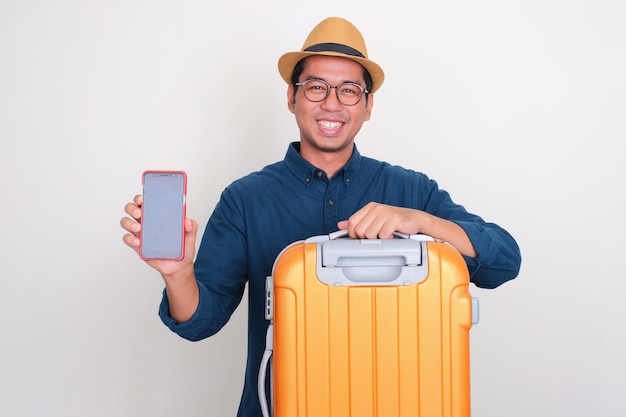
{"points": [[323, 184], [330, 109]]}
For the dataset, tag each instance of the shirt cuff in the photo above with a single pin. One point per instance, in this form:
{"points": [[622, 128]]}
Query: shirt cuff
{"points": [[193, 329], [486, 244]]}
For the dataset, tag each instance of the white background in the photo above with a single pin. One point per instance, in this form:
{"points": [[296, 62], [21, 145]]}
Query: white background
{"points": [[515, 107]]}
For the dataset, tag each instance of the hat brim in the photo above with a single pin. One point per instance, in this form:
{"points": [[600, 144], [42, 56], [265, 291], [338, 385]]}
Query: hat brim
{"points": [[288, 61]]}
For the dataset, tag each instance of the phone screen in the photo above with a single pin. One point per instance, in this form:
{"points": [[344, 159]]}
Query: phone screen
{"points": [[162, 222]]}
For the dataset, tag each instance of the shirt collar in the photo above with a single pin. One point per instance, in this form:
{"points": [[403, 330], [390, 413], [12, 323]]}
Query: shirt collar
{"points": [[305, 171]]}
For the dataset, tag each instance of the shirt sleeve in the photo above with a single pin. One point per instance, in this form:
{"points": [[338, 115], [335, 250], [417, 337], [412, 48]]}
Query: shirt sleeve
{"points": [[221, 274], [499, 257]]}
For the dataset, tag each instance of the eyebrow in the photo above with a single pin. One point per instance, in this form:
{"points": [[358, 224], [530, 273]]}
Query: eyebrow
{"points": [[312, 77]]}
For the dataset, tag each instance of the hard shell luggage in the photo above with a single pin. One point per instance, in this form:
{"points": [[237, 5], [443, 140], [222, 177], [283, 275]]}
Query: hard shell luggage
{"points": [[368, 328]]}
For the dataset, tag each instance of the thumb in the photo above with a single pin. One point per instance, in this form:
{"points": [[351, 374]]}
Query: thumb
{"points": [[190, 225], [191, 228]]}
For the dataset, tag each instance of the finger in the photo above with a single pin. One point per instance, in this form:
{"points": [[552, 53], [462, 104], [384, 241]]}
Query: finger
{"points": [[364, 230], [342, 225], [191, 226], [360, 214], [358, 223], [387, 230], [132, 241], [130, 226], [371, 220], [372, 232], [379, 223], [394, 219], [138, 199], [133, 210]]}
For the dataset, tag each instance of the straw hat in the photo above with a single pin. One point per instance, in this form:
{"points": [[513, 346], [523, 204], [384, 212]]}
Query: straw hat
{"points": [[333, 36]]}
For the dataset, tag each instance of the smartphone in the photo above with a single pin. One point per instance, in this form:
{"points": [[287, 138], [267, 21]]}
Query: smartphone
{"points": [[163, 217]]}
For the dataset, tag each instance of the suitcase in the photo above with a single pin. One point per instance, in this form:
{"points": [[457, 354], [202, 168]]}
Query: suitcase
{"points": [[368, 328]]}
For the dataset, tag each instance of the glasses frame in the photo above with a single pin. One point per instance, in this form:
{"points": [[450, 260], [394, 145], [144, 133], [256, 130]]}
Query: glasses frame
{"points": [[336, 87]]}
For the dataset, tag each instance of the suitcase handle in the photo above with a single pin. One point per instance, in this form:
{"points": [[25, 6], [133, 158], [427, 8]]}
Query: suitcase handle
{"points": [[353, 262], [265, 363], [344, 233]]}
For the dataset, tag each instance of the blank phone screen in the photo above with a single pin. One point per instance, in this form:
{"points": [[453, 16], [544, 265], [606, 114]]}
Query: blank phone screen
{"points": [[162, 223]]}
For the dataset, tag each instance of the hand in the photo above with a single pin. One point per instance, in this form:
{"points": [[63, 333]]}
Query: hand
{"points": [[132, 225], [379, 221]]}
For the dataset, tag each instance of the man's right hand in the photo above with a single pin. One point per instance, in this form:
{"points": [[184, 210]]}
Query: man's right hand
{"points": [[132, 224]]}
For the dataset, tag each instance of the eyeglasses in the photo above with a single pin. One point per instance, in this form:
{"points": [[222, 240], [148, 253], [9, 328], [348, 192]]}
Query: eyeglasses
{"points": [[316, 90]]}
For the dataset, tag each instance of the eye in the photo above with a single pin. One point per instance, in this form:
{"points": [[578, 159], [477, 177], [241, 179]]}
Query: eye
{"points": [[350, 90], [316, 86]]}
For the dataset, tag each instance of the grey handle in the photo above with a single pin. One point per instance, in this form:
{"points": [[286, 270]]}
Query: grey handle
{"points": [[353, 262]]}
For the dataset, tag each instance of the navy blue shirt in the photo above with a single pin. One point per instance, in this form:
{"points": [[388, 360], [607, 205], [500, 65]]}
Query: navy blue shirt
{"points": [[260, 214]]}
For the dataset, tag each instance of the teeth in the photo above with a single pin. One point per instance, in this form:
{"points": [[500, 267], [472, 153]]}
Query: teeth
{"points": [[329, 125]]}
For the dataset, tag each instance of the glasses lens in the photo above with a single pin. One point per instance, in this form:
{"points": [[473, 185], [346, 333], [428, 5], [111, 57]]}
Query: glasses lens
{"points": [[349, 93], [315, 90]]}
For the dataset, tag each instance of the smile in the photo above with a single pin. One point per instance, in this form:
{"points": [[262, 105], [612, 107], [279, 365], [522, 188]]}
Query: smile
{"points": [[329, 125]]}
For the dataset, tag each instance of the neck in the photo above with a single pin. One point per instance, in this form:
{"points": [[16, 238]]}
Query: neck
{"points": [[329, 161]]}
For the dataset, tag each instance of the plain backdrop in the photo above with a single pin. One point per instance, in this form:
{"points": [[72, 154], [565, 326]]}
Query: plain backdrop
{"points": [[515, 107]]}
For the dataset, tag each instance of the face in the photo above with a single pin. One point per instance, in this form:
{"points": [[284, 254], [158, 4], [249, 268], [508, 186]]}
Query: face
{"points": [[329, 127]]}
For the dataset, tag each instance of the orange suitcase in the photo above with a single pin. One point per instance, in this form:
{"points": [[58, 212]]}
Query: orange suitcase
{"points": [[368, 328]]}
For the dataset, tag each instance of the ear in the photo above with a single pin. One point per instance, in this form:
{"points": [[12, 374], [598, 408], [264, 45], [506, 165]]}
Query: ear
{"points": [[291, 98], [369, 106]]}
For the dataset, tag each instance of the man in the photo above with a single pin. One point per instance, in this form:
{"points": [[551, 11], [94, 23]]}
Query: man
{"points": [[323, 184]]}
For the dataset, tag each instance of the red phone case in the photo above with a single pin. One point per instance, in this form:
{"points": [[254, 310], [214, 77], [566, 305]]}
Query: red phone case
{"points": [[184, 214]]}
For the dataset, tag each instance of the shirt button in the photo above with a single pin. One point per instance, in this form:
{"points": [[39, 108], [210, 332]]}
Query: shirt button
{"points": [[319, 174], [331, 202], [308, 180]]}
